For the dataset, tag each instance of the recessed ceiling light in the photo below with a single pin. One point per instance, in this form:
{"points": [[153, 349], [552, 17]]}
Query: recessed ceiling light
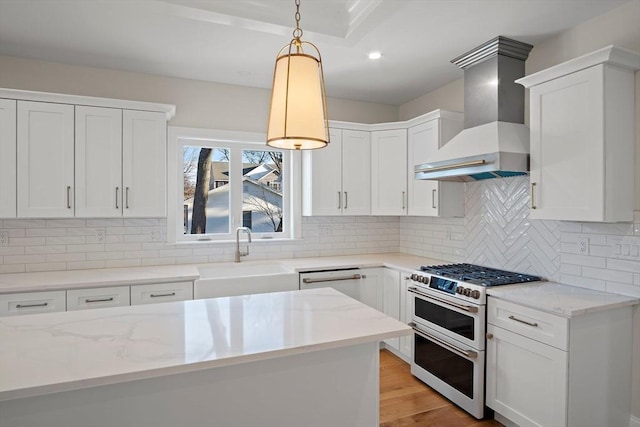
{"points": [[375, 55]]}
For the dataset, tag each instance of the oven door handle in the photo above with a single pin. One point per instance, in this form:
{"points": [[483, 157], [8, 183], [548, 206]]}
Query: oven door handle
{"points": [[470, 354], [468, 308]]}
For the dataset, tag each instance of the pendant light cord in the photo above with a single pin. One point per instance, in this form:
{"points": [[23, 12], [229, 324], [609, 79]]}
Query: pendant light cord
{"points": [[297, 33]]}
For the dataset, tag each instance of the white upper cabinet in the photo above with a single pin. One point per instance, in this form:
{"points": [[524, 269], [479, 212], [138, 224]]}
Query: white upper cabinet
{"points": [[356, 172], [98, 162], [389, 172], [582, 138], [81, 156], [144, 163], [336, 179], [7, 158], [425, 197], [45, 160]]}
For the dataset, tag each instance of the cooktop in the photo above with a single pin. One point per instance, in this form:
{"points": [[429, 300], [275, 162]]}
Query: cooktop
{"points": [[478, 275]]}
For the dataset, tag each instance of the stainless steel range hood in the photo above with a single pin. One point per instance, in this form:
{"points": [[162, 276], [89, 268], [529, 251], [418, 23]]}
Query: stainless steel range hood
{"points": [[495, 141]]}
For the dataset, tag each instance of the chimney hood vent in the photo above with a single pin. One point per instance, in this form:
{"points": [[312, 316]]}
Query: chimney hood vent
{"points": [[495, 141]]}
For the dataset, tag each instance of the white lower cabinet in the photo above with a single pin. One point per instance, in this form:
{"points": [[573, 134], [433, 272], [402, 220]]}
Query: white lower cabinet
{"points": [[161, 292], [83, 299], [406, 311], [32, 302], [371, 288], [551, 371], [391, 301]]}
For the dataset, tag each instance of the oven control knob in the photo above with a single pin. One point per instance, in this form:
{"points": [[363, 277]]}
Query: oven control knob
{"points": [[466, 292], [475, 294], [424, 279], [459, 289], [414, 277]]}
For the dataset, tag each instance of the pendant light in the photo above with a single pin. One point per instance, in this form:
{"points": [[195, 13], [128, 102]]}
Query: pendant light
{"points": [[298, 115]]}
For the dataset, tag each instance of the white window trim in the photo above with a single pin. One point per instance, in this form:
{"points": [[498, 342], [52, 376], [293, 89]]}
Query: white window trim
{"points": [[179, 136]]}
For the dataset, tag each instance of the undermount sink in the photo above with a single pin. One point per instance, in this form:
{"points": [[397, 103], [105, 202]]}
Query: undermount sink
{"points": [[241, 269], [230, 279]]}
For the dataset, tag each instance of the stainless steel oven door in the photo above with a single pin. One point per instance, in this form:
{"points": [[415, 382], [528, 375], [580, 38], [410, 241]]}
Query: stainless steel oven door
{"points": [[460, 320], [450, 368]]}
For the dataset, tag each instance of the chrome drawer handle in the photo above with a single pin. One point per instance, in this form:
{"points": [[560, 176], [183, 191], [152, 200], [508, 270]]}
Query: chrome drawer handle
{"points": [[535, 325], [44, 304], [466, 353], [172, 294], [68, 197], [433, 198], [333, 279], [89, 301]]}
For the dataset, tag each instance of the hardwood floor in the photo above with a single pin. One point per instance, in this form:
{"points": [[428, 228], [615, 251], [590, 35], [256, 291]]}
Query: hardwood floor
{"points": [[406, 401]]}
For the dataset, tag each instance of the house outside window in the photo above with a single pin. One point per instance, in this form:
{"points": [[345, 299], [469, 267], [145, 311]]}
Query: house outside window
{"points": [[222, 183]]}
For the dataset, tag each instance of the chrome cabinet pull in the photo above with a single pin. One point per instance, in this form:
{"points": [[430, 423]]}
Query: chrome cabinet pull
{"points": [[468, 308], [117, 191], [403, 203], [346, 200], [68, 197], [489, 336], [339, 200], [172, 294], [44, 304], [533, 188], [89, 301], [332, 279], [126, 198], [512, 317], [433, 198], [466, 353]]}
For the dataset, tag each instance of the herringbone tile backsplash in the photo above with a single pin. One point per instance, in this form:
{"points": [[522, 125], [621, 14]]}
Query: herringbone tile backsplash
{"points": [[497, 232], [500, 234]]}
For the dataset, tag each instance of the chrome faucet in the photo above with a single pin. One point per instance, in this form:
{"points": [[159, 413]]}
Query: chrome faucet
{"points": [[238, 253]]}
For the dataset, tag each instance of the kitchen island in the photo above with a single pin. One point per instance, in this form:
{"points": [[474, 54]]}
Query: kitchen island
{"points": [[281, 359]]}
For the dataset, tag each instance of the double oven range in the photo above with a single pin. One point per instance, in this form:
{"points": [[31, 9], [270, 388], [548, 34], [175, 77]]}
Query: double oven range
{"points": [[449, 322]]}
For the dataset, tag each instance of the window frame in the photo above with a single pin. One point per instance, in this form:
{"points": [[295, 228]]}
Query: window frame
{"points": [[236, 141]]}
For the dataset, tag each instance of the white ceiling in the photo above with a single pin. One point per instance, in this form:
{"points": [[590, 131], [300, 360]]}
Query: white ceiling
{"points": [[236, 41]]}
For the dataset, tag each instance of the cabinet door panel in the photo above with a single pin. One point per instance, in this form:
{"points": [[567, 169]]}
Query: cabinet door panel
{"points": [[567, 166], [98, 162], [7, 158], [356, 172], [391, 300], [45, 160], [526, 380], [423, 194], [388, 172], [322, 178], [406, 311], [144, 163]]}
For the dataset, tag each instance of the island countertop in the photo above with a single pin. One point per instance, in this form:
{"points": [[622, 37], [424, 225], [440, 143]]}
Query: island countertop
{"points": [[48, 353]]}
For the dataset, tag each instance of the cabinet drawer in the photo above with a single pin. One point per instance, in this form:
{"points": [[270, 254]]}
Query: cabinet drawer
{"points": [[161, 292], [537, 325], [82, 299], [32, 302]]}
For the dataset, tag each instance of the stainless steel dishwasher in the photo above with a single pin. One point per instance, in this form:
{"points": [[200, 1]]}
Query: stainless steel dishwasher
{"points": [[349, 281]]}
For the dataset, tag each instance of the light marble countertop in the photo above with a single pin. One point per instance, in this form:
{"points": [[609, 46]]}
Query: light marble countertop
{"points": [[53, 352], [563, 300], [59, 280]]}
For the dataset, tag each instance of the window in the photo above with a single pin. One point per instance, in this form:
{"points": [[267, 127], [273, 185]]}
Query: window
{"points": [[225, 180]]}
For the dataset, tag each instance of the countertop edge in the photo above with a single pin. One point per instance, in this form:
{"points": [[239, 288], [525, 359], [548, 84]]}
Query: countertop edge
{"points": [[198, 366], [607, 301]]}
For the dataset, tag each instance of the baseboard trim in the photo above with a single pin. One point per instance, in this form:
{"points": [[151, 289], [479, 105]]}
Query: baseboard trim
{"points": [[634, 421]]}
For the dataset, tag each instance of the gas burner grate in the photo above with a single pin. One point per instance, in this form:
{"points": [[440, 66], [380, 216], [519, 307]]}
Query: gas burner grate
{"points": [[479, 275]]}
